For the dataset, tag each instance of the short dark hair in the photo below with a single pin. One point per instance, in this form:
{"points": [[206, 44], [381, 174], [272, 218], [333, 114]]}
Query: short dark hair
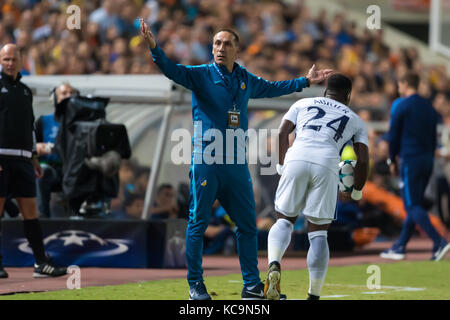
{"points": [[131, 198], [412, 79], [339, 84], [163, 187], [234, 33]]}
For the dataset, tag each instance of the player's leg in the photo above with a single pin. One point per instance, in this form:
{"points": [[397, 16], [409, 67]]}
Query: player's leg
{"points": [[320, 210], [3, 194], [24, 191], [398, 250], [289, 201], [202, 196], [417, 173], [236, 197], [318, 255], [3, 273]]}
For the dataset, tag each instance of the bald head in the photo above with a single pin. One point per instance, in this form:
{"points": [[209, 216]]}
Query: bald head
{"points": [[10, 59], [64, 90]]}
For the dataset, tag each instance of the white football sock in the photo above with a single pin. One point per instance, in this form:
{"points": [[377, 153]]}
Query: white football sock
{"points": [[278, 239], [317, 260]]}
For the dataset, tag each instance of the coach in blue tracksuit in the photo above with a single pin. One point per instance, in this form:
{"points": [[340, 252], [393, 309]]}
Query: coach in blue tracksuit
{"points": [[220, 94], [412, 143]]}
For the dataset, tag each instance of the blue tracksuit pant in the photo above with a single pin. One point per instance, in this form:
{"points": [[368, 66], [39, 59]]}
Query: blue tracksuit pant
{"points": [[232, 186], [415, 174]]}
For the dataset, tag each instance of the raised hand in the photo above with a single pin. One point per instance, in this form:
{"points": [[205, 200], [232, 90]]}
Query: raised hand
{"points": [[315, 76], [147, 35]]}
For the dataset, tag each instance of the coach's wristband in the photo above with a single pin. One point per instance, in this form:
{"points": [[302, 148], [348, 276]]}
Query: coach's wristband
{"points": [[356, 194], [280, 169]]}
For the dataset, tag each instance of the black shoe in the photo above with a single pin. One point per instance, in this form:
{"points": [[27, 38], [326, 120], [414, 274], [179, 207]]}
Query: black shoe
{"points": [[198, 292], [254, 293], [48, 269], [312, 297], [3, 273]]}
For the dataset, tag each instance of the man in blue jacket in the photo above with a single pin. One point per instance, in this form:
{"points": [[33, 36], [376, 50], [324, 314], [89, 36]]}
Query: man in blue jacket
{"points": [[220, 95], [412, 143]]}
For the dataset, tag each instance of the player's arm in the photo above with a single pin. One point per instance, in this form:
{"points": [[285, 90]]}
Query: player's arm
{"points": [[283, 142], [361, 171], [179, 73], [362, 165]]}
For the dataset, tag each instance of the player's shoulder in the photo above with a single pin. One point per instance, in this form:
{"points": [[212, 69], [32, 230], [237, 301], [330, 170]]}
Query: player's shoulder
{"points": [[304, 102]]}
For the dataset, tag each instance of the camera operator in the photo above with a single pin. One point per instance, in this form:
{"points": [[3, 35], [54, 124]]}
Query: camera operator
{"points": [[19, 165], [46, 130]]}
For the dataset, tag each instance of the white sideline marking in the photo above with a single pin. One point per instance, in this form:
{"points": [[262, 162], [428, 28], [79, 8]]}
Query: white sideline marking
{"points": [[395, 288], [335, 296], [373, 292]]}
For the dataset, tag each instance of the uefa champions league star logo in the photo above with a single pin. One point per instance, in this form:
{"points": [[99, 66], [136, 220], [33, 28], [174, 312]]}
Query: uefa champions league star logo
{"points": [[80, 242]]}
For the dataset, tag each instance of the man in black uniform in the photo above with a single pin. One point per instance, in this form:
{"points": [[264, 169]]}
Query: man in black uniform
{"points": [[19, 165]]}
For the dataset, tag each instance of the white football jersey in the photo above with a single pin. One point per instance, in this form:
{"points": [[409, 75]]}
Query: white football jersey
{"points": [[323, 128]]}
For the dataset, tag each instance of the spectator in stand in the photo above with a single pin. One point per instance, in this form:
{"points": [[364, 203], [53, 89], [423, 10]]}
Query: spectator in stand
{"points": [[219, 236], [126, 183], [132, 207], [165, 205]]}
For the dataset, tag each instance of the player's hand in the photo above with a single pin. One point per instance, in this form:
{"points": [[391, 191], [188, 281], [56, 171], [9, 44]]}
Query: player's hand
{"points": [[345, 196], [315, 76], [393, 168], [147, 35], [43, 149], [280, 169]]}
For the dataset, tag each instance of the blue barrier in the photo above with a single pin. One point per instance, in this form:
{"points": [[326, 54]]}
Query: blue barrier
{"points": [[100, 243]]}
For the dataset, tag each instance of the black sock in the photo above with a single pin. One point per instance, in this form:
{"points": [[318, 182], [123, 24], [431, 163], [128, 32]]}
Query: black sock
{"points": [[33, 233]]}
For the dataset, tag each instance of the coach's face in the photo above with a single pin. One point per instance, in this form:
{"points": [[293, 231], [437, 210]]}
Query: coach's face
{"points": [[225, 49]]}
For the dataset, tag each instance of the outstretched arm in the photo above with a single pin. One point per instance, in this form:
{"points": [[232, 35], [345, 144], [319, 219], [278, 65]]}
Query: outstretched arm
{"points": [[262, 88], [183, 75]]}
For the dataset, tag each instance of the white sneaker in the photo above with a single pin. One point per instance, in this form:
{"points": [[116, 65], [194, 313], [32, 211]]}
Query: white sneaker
{"points": [[392, 254], [441, 252]]}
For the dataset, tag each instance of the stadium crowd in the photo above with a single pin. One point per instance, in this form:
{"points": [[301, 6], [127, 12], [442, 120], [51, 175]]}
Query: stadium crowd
{"points": [[280, 40]]}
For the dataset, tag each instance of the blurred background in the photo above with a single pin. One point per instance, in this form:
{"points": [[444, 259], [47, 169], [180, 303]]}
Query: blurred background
{"points": [[279, 40]]}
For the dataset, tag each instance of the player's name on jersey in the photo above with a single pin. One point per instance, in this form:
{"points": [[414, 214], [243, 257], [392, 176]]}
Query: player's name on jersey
{"points": [[327, 102]]}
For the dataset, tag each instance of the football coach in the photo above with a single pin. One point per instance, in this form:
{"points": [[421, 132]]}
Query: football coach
{"points": [[220, 94]]}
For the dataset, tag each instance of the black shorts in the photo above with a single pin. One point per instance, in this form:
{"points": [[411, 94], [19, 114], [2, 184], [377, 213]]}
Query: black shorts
{"points": [[17, 178]]}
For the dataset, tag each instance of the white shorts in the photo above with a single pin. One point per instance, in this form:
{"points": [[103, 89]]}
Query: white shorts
{"points": [[309, 189]]}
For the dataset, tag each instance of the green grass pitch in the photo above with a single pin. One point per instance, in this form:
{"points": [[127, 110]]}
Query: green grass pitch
{"points": [[400, 280]]}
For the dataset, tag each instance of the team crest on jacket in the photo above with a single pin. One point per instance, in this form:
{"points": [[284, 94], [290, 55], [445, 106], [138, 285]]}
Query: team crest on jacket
{"points": [[243, 86]]}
